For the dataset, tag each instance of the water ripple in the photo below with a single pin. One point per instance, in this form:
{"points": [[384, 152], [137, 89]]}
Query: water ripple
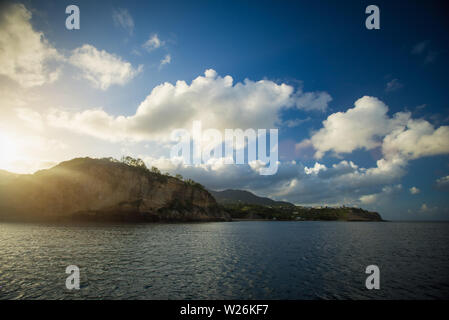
{"points": [[237, 260]]}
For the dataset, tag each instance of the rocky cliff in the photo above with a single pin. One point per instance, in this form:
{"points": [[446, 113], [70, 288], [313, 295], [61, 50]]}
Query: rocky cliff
{"points": [[104, 190]]}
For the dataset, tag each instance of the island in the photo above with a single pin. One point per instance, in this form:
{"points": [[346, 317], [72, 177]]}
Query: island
{"points": [[109, 190], [244, 205]]}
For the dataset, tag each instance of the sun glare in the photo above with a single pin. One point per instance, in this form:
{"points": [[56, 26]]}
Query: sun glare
{"points": [[8, 152]]}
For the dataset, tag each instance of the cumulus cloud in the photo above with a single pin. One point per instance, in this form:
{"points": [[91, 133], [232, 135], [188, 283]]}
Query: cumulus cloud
{"points": [[341, 183], [101, 68], [414, 190], [25, 53], [123, 19], [153, 43], [367, 126], [381, 196], [315, 169], [334, 186], [216, 101], [369, 198], [416, 139], [358, 128]]}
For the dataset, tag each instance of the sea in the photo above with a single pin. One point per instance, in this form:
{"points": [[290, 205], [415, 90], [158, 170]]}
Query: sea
{"points": [[293, 260]]}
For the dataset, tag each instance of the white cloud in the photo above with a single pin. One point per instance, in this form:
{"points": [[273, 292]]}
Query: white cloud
{"points": [[381, 196], [313, 101], [30, 117], [426, 209], [101, 68], [358, 128], [315, 169], [393, 85], [385, 172], [367, 126], [342, 183], [296, 122], [414, 190], [153, 43], [369, 198], [443, 183], [165, 60], [216, 101], [122, 18], [418, 138], [25, 53]]}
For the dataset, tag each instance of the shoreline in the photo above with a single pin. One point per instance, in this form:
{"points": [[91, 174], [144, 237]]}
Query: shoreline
{"points": [[112, 222]]}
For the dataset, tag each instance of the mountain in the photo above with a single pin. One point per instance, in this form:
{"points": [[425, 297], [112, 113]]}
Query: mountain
{"points": [[247, 206], [104, 190], [107, 190], [241, 196]]}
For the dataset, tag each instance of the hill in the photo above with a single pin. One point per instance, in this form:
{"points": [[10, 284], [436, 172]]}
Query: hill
{"points": [[245, 205], [104, 190], [258, 212], [245, 197]]}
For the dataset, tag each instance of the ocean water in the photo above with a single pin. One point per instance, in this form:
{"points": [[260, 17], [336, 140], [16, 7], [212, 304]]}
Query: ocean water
{"points": [[226, 260]]}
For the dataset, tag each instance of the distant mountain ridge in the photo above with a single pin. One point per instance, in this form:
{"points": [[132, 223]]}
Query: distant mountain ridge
{"points": [[232, 196], [245, 205]]}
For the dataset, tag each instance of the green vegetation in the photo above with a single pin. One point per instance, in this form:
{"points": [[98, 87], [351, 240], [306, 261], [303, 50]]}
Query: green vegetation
{"points": [[194, 184], [134, 162], [284, 212], [155, 170], [140, 164]]}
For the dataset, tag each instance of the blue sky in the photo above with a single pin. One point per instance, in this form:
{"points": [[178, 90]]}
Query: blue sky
{"points": [[321, 50]]}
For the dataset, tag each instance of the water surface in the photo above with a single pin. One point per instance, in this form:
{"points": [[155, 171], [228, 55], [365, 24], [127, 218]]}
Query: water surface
{"points": [[226, 260]]}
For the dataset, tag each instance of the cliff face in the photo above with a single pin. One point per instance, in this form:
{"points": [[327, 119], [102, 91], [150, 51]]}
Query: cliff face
{"points": [[94, 189], [356, 214]]}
